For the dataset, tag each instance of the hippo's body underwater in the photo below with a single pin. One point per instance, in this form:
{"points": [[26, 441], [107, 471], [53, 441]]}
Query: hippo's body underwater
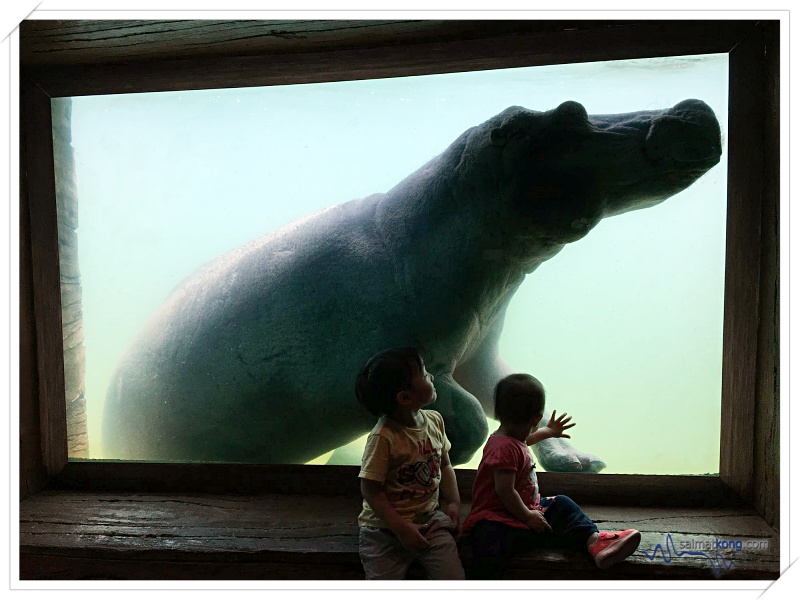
{"points": [[253, 358]]}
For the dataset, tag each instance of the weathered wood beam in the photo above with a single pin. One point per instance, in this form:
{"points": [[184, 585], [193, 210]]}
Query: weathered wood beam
{"points": [[38, 185], [602, 42], [267, 536], [743, 263], [113, 41], [336, 480], [766, 467]]}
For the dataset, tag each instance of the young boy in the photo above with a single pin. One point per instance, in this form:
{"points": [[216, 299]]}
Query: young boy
{"points": [[411, 502], [508, 515]]}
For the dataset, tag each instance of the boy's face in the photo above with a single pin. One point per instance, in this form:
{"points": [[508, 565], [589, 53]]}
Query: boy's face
{"points": [[422, 391]]}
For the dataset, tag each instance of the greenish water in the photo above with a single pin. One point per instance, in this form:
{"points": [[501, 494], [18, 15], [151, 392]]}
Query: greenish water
{"points": [[624, 327]]}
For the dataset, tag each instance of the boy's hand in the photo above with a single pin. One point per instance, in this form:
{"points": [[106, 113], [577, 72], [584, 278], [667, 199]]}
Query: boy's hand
{"points": [[410, 535], [538, 523], [453, 511], [555, 427]]}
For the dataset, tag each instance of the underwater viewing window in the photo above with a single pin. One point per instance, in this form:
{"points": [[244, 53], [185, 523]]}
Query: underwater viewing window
{"points": [[623, 327]]}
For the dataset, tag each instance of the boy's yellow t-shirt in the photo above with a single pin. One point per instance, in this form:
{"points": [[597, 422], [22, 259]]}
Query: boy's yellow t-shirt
{"points": [[408, 462]]}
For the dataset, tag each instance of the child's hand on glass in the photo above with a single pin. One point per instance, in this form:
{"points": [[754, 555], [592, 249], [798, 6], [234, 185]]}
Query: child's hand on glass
{"points": [[555, 427], [538, 523]]}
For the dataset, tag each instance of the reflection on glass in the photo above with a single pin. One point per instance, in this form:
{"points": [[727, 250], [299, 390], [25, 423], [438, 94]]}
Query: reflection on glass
{"points": [[624, 327]]}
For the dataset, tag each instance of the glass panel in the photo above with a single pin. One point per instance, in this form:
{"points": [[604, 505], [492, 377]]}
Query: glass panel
{"points": [[623, 327]]}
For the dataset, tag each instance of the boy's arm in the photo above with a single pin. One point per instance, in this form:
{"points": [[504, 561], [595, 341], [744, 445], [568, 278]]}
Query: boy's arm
{"points": [[449, 498], [554, 428], [409, 534], [512, 501]]}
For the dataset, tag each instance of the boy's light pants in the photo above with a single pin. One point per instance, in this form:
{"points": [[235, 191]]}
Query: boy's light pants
{"points": [[384, 557]]}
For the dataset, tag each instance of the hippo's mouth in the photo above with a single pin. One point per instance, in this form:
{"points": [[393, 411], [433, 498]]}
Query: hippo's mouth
{"points": [[673, 171], [667, 179], [691, 166]]}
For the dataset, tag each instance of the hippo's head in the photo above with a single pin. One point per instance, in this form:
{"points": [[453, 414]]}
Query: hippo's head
{"points": [[561, 171]]}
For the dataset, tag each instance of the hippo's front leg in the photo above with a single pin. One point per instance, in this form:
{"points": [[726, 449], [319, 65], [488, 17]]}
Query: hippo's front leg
{"points": [[464, 421], [556, 454], [479, 376]]}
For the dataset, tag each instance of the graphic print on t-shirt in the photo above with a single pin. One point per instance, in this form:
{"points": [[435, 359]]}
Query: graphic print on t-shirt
{"points": [[425, 470]]}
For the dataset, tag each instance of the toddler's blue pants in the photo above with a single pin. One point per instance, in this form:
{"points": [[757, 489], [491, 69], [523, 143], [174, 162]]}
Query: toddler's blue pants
{"points": [[493, 543]]}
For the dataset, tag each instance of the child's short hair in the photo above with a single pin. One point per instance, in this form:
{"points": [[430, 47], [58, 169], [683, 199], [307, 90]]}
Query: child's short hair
{"points": [[518, 398], [385, 375]]}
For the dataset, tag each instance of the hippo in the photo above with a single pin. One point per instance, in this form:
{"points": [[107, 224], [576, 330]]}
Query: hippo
{"points": [[252, 359]]}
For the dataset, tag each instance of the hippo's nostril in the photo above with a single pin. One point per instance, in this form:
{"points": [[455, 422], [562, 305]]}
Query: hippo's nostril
{"points": [[571, 110], [692, 104], [687, 133], [695, 112]]}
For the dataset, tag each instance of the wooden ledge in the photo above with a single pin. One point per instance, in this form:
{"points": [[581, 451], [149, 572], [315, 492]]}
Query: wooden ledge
{"points": [[92, 535], [700, 491]]}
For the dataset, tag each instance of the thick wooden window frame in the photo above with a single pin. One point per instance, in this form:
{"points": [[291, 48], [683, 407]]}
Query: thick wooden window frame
{"points": [[750, 326]]}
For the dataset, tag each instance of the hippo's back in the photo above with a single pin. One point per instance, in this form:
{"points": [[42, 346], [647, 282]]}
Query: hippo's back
{"points": [[221, 371]]}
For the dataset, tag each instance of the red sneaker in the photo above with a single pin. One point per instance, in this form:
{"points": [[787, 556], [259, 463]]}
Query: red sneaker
{"points": [[612, 547]]}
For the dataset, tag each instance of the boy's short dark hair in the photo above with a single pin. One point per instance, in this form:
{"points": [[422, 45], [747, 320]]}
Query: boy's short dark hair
{"points": [[518, 398], [385, 375]]}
